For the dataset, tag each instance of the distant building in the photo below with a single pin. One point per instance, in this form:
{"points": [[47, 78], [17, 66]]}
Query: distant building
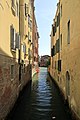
{"points": [[65, 50], [44, 60]]}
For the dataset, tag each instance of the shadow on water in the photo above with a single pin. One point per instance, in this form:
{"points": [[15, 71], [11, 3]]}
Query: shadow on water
{"points": [[22, 105], [61, 110], [40, 100]]}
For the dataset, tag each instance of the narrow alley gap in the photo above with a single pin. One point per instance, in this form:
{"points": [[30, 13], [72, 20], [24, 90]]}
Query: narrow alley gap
{"points": [[40, 100]]}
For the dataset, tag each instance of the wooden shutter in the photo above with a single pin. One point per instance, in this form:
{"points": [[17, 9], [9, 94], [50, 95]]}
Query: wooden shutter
{"points": [[17, 40], [12, 34], [14, 39]]}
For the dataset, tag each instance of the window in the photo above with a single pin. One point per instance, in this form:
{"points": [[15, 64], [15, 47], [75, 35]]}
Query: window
{"points": [[31, 25], [58, 19], [29, 22], [55, 49], [13, 37], [59, 65], [24, 49], [68, 36], [29, 37], [57, 22], [61, 41], [67, 84], [51, 52], [53, 28], [26, 9], [12, 72], [28, 51], [57, 46], [17, 40], [61, 11], [29, 54], [17, 8], [13, 7]]}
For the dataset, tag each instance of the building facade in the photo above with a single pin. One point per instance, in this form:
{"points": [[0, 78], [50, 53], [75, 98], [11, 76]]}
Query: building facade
{"points": [[9, 51], [35, 43], [65, 65], [44, 60], [16, 49], [26, 41]]}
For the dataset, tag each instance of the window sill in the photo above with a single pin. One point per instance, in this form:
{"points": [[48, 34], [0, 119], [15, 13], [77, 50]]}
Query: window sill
{"points": [[13, 50]]}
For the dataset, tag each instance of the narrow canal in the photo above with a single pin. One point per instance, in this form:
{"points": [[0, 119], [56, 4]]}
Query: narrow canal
{"points": [[40, 100]]}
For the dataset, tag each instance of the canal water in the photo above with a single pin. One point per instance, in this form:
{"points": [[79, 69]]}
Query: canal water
{"points": [[40, 100]]}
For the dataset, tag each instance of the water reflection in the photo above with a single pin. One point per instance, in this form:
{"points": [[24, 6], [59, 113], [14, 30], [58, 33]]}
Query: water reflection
{"points": [[40, 101]]}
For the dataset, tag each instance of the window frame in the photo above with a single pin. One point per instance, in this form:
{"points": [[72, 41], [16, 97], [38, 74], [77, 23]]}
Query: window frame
{"points": [[12, 72], [68, 32]]}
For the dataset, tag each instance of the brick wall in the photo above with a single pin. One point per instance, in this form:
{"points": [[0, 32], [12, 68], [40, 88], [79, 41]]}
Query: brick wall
{"points": [[10, 88]]}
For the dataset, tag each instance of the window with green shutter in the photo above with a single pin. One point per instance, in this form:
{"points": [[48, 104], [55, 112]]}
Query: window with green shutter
{"points": [[13, 37]]}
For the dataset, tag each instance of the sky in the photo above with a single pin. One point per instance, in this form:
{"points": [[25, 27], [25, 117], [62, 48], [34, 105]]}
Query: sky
{"points": [[45, 11]]}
